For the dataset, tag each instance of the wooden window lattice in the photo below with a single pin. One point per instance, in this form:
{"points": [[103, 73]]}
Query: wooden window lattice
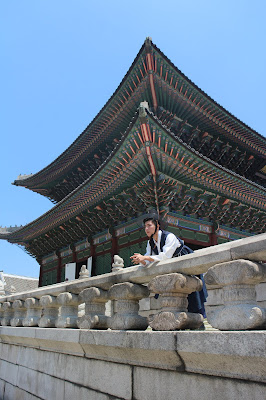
{"points": [[103, 264]]}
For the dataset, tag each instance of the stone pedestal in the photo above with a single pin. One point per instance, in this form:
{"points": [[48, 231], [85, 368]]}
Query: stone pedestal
{"points": [[50, 311], [33, 313], [126, 298], [94, 317], [69, 310], [118, 263], [1, 313], [19, 313], [235, 282], [8, 313], [173, 290]]}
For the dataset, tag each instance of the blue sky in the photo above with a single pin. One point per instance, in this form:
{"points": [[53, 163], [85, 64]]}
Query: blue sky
{"points": [[62, 60]]}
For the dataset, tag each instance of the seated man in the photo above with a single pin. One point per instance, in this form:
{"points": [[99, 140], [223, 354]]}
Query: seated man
{"points": [[163, 245]]}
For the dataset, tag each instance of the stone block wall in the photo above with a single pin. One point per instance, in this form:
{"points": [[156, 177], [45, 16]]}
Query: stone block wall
{"points": [[60, 364]]}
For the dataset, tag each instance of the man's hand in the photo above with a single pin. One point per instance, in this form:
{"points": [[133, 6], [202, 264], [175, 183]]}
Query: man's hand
{"points": [[137, 258]]}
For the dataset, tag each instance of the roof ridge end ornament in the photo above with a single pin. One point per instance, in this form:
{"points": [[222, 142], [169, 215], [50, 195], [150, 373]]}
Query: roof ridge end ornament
{"points": [[144, 105], [148, 44], [23, 176]]}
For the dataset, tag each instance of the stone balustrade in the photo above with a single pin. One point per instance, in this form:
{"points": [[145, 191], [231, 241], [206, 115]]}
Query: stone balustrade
{"points": [[94, 317], [68, 311], [50, 311], [126, 298], [8, 313], [233, 272], [34, 312], [174, 290], [19, 313], [235, 288]]}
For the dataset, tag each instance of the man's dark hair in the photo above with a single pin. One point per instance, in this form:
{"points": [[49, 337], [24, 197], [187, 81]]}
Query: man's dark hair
{"points": [[156, 223], [152, 219]]}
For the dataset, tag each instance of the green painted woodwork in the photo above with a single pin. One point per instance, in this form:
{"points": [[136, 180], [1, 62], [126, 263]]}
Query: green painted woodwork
{"points": [[142, 246], [107, 245], [174, 230], [235, 236], [134, 236], [63, 270], [49, 278], [186, 234], [129, 250], [50, 265], [123, 240], [44, 279], [202, 237], [103, 264], [101, 236], [222, 240], [83, 254], [66, 260], [131, 227], [99, 248], [103, 247], [190, 225]]}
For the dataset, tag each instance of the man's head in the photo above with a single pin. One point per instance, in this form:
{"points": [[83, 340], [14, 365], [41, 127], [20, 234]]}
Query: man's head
{"points": [[151, 226]]}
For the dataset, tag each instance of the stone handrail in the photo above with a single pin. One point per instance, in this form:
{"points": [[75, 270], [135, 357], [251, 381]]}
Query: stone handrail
{"points": [[232, 271]]}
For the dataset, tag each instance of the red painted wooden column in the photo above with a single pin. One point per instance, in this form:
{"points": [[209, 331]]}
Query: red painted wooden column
{"points": [[213, 237], [150, 69], [41, 273], [59, 268], [147, 140], [92, 248], [114, 248]]}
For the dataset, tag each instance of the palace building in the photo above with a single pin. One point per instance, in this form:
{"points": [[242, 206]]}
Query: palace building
{"points": [[159, 143]]}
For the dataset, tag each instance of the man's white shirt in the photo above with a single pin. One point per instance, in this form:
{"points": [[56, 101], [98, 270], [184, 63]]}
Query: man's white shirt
{"points": [[170, 246]]}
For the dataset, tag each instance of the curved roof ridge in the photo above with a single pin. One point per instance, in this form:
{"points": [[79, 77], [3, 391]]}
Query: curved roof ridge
{"points": [[116, 148], [204, 157], [205, 94], [29, 178]]}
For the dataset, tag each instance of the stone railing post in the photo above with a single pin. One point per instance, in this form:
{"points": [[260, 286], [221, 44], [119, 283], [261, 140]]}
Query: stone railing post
{"points": [[19, 313], [126, 298], [8, 313], [236, 282], [94, 317], [173, 290], [84, 273], [50, 311], [69, 310], [33, 313]]}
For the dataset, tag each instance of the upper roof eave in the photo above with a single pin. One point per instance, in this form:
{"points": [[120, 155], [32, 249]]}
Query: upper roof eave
{"points": [[11, 236], [223, 110], [28, 181]]}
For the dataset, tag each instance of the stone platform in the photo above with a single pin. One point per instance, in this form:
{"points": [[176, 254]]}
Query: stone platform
{"points": [[87, 339], [56, 364]]}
